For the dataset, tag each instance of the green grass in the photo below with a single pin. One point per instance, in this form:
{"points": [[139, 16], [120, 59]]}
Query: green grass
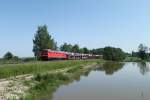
{"points": [[132, 59], [47, 83], [72, 70], [9, 70]]}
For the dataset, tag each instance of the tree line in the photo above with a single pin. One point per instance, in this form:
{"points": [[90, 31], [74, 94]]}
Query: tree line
{"points": [[43, 40], [143, 52]]}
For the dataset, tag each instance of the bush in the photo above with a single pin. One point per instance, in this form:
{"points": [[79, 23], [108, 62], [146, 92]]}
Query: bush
{"points": [[114, 54], [8, 56]]}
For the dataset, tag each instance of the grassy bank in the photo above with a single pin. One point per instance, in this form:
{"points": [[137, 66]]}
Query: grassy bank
{"points": [[47, 83], [136, 59], [33, 80], [9, 70], [132, 59]]}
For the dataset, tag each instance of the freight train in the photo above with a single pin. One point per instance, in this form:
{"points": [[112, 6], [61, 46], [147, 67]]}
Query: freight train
{"points": [[48, 54]]}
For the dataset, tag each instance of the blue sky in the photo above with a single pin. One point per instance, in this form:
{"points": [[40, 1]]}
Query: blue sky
{"points": [[90, 23]]}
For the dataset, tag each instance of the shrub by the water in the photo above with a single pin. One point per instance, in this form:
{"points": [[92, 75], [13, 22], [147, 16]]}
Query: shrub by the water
{"points": [[114, 54]]}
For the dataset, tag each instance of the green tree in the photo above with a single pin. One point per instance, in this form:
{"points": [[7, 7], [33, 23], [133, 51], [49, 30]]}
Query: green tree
{"points": [[42, 40], [142, 51], [54, 47], [84, 50], [16, 58], [76, 48], [81, 50], [8, 56], [98, 51], [114, 54], [66, 47]]}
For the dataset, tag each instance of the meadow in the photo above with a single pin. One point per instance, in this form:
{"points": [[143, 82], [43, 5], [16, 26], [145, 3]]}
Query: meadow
{"points": [[12, 70]]}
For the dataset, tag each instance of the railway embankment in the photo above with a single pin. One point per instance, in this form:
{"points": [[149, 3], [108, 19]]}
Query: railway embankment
{"points": [[33, 80]]}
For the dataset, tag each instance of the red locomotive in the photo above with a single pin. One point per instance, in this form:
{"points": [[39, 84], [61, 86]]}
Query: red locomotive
{"points": [[48, 54]]}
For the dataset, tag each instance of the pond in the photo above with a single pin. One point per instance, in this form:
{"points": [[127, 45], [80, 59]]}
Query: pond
{"points": [[127, 81]]}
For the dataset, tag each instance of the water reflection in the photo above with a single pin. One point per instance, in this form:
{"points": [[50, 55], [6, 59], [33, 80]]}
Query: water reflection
{"points": [[110, 67], [87, 73], [95, 85], [142, 95], [143, 67]]}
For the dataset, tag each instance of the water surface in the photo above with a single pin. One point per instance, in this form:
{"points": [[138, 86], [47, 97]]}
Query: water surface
{"points": [[129, 81]]}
